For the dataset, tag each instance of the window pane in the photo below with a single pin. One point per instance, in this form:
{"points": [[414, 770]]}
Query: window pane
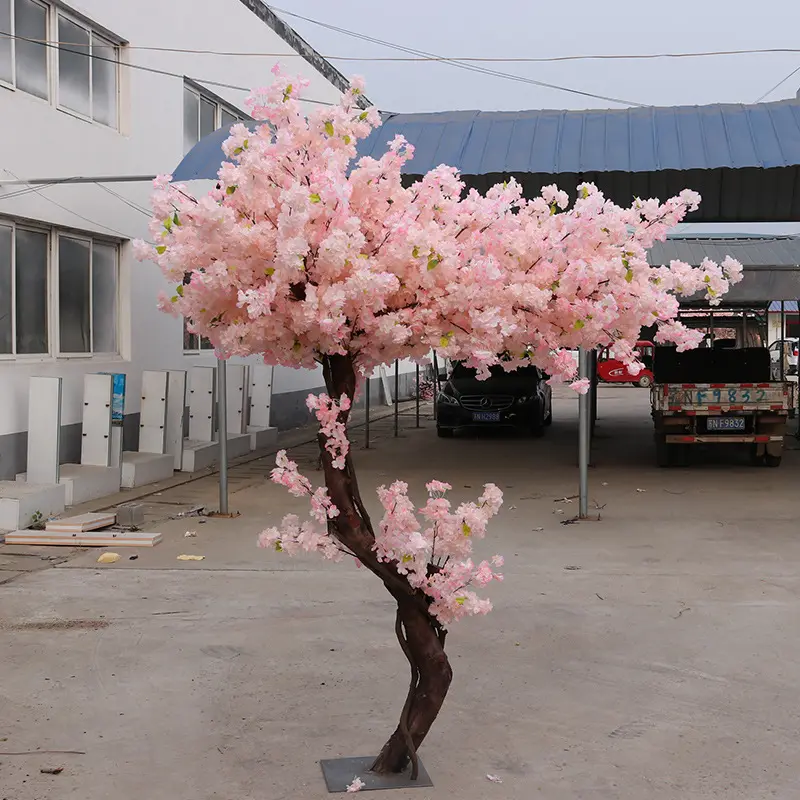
{"points": [[104, 82], [73, 66], [104, 298], [6, 241], [208, 112], [205, 344], [228, 118], [31, 292], [6, 72], [73, 295], [30, 21], [191, 115]]}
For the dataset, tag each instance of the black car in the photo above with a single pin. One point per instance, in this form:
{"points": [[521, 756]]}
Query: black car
{"points": [[521, 400]]}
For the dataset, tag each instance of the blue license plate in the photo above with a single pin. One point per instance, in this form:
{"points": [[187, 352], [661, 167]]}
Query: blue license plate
{"points": [[725, 423], [486, 416]]}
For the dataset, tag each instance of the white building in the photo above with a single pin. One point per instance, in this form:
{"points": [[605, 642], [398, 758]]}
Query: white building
{"points": [[73, 300]]}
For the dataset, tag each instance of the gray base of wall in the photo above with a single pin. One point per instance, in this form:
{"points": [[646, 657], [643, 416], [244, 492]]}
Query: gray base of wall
{"points": [[288, 411]]}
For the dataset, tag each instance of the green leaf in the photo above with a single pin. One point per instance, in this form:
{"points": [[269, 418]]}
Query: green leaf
{"points": [[314, 198], [415, 252], [289, 89], [278, 547], [246, 144], [269, 271], [584, 192], [433, 262], [466, 530], [407, 558], [231, 189], [554, 285], [553, 209], [347, 139], [179, 289], [329, 128], [161, 249], [445, 340], [579, 324], [363, 115], [238, 151], [174, 299], [175, 219], [168, 223], [629, 275], [461, 600]]}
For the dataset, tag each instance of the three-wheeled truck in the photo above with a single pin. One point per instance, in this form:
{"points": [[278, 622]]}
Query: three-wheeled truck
{"points": [[720, 394]]}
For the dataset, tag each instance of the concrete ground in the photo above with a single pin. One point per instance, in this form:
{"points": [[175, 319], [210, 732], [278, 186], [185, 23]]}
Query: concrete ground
{"points": [[649, 655]]}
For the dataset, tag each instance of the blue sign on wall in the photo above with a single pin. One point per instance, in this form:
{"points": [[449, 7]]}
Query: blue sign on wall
{"points": [[117, 397]]}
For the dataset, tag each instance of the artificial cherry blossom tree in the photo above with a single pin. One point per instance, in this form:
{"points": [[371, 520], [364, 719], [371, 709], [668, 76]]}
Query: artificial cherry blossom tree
{"points": [[307, 256]]}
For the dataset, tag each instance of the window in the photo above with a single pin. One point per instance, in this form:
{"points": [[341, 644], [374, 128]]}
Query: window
{"points": [[203, 113], [87, 84], [23, 59], [192, 343], [81, 314], [85, 75]]}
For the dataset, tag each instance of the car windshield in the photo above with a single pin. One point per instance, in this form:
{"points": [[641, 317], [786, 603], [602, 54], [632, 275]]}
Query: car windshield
{"points": [[460, 372]]}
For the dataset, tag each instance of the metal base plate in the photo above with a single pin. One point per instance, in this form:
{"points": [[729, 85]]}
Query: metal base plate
{"points": [[340, 772]]}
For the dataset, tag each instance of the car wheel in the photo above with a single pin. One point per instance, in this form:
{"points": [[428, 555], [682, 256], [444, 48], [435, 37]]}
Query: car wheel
{"points": [[444, 433], [771, 461], [645, 382], [549, 419]]}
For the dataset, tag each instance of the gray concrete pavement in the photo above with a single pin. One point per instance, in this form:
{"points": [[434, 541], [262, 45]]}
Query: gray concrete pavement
{"points": [[650, 654]]}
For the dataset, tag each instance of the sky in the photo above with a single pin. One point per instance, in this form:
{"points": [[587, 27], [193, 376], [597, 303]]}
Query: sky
{"points": [[547, 28], [556, 28]]}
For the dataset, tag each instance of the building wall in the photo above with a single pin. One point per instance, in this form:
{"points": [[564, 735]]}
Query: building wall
{"points": [[37, 140]]}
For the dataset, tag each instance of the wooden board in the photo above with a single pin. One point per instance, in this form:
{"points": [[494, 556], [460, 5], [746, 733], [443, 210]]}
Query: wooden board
{"points": [[85, 539], [44, 429], [81, 523]]}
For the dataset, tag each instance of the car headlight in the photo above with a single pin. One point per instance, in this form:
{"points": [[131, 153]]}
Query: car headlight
{"points": [[521, 401], [447, 399]]}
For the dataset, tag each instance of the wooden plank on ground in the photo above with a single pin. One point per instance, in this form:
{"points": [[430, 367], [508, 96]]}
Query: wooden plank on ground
{"points": [[81, 523], [85, 538]]}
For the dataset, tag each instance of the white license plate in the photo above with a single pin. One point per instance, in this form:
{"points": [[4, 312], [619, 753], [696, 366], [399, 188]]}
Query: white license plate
{"points": [[725, 423], [486, 416]]}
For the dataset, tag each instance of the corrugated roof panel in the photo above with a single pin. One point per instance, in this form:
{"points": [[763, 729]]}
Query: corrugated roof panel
{"points": [[680, 138]]}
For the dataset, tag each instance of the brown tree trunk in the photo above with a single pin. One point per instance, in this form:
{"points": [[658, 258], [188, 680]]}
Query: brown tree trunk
{"points": [[420, 635]]}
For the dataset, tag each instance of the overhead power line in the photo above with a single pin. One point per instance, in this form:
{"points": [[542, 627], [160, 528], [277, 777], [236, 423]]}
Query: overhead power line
{"points": [[778, 84], [459, 64], [79, 46]]}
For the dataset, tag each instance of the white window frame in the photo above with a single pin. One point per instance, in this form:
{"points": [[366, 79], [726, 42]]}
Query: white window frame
{"points": [[106, 41], [220, 106], [53, 11], [53, 307]]}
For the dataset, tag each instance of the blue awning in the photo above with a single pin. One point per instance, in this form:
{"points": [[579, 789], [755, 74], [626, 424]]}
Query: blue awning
{"points": [[744, 160], [790, 306]]}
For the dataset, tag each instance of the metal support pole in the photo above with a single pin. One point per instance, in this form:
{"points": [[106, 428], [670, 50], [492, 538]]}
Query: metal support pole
{"points": [[435, 383], [417, 396], [366, 408], [783, 340], [222, 408], [397, 397], [584, 425], [593, 377]]}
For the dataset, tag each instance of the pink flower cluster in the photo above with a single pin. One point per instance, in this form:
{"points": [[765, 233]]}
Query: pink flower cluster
{"points": [[302, 253], [431, 545], [312, 535], [332, 416], [435, 553]]}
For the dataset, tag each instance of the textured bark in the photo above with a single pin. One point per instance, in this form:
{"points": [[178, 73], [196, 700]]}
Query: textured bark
{"points": [[420, 635]]}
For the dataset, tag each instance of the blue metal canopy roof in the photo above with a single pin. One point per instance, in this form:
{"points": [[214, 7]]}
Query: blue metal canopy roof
{"points": [[645, 139], [744, 160]]}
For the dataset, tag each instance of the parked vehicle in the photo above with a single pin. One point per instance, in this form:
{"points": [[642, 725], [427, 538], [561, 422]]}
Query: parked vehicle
{"points": [[611, 370], [521, 400], [718, 396], [788, 350]]}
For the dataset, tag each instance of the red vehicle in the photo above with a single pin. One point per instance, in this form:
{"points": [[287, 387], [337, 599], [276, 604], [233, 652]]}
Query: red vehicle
{"points": [[611, 370]]}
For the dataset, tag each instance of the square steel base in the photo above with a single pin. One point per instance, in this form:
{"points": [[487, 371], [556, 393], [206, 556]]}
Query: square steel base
{"points": [[340, 772]]}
